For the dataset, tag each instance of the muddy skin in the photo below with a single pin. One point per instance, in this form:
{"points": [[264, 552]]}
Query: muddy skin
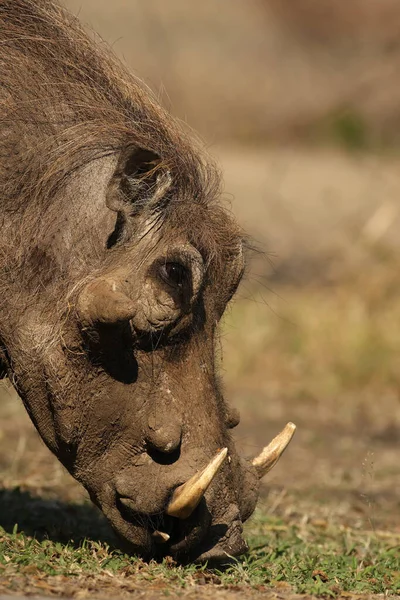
{"points": [[117, 261]]}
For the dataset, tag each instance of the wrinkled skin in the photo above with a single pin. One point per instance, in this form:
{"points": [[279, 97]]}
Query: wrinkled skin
{"points": [[117, 263], [133, 408]]}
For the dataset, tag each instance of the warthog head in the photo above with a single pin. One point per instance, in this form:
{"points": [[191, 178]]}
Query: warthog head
{"points": [[117, 263]]}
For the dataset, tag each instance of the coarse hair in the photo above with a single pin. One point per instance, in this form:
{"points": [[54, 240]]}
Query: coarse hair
{"points": [[66, 100]]}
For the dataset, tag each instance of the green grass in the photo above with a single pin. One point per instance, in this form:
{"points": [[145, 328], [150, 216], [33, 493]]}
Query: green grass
{"points": [[323, 560]]}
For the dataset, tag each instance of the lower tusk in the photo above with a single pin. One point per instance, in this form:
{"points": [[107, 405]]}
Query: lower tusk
{"points": [[272, 453], [160, 537], [187, 496]]}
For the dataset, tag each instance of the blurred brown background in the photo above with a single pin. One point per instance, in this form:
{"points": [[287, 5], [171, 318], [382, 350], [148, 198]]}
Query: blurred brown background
{"points": [[263, 70], [259, 78], [300, 103]]}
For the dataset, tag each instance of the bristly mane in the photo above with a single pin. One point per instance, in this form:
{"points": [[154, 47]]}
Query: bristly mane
{"points": [[66, 100]]}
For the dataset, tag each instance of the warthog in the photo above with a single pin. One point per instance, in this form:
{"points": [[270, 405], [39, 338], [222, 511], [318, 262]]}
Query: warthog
{"points": [[117, 262]]}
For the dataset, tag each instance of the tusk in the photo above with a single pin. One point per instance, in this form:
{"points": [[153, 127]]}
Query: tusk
{"points": [[272, 453], [187, 496], [160, 537]]}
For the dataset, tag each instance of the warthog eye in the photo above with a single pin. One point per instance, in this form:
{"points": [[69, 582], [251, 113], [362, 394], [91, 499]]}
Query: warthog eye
{"points": [[174, 274]]}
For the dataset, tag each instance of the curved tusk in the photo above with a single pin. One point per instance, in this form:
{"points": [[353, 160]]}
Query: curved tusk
{"points": [[272, 453], [160, 537], [101, 301], [187, 496]]}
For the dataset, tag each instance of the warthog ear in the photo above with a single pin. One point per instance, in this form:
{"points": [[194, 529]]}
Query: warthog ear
{"points": [[136, 181], [140, 181]]}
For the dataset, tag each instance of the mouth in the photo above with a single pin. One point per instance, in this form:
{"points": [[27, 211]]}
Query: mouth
{"points": [[181, 523], [195, 539], [168, 535]]}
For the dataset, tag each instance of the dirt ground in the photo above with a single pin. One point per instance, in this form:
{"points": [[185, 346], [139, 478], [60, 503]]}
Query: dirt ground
{"points": [[208, 594]]}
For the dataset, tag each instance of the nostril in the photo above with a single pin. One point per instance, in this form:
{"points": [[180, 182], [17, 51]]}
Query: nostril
{"points": [[163, 458]]}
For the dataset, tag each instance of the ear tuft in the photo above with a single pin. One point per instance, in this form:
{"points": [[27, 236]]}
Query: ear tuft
{"points": [[141, 162], [135, 181]]}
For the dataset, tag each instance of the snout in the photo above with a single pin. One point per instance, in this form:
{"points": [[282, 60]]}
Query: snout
{"points": [[224, 542], [199, 538], [196, 520], [165, 535], [161, 511]]}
